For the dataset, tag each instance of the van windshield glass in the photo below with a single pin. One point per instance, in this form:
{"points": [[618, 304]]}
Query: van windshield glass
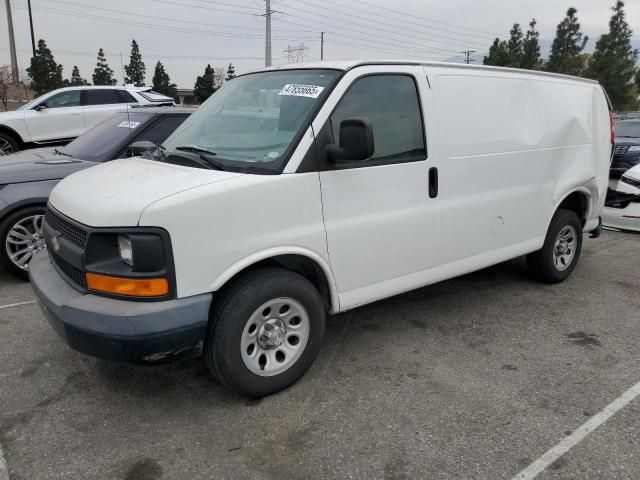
{"points": [[250, 124]]}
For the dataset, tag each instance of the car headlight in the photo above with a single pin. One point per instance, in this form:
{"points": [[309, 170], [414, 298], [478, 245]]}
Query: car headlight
{"points": [[634, 148], [125, 249]]}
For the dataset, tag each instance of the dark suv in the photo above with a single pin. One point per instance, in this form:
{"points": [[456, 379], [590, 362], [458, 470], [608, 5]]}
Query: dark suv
{"points": [[626, 153]]}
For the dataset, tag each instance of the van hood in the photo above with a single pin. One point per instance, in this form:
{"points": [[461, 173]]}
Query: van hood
{"points": [[114, 194], [38, 165]]}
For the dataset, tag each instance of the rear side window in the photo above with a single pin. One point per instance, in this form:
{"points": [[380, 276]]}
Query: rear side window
{"points": [[106, 96], [392, 105], [161, 130]]}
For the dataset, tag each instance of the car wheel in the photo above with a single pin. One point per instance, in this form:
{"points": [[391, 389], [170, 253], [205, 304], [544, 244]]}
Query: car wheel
{"points": [[8, 144], [21, 238], [561, 250], [265, 332]]}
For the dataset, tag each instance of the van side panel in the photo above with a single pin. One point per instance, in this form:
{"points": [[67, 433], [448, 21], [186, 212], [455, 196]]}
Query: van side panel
{"points": [[512, 146]]}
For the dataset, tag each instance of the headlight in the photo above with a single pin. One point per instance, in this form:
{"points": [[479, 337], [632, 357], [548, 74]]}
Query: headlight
{"points": [[126, 252], [630, 181], [634, 148]]}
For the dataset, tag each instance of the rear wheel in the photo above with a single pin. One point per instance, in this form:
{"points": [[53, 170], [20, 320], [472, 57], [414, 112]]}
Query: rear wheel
{"points": [[8, 144], [265, 332], [561, 250], [20, 239]]}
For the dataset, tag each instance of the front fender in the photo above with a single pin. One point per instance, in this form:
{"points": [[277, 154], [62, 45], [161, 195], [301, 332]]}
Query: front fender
{"points": [[253, 259]]}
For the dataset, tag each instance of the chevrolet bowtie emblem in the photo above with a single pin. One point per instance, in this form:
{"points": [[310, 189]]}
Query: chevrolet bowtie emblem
{"points": [[55, 243]]}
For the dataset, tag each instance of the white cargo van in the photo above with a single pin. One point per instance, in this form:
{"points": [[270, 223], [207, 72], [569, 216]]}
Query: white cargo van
{"points": [[304, 190]]}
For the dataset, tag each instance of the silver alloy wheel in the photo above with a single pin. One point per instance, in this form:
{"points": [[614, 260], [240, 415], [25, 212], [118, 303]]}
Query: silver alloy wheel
{"points": [[5, 147], [565, 248], [275, 337], [24, 240]]}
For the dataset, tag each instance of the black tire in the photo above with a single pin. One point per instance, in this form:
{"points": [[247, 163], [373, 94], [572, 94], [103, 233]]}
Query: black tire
{"points": [[542, 264], [230, 315], [13, 144], [5, 227]]}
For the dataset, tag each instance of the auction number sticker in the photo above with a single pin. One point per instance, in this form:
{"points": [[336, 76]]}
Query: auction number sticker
{"points": [[296, 90], [128, 124]]}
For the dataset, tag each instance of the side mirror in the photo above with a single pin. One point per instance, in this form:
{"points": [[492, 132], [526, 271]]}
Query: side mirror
{"points": [[41, 107], [356, 141], [143, 146]]}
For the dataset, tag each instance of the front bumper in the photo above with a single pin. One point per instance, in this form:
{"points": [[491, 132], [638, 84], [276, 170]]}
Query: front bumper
{"points": [[141, 333]]}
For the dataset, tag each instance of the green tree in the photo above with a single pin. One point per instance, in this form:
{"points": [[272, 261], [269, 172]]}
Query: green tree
{"points": [[514, 46], [136, 69], [613, 62], [102, 74], [162, 82], [498, 54], [231, 72], [76, 79], [567, 47], [205, 85], [45, 73], [530, 59]]}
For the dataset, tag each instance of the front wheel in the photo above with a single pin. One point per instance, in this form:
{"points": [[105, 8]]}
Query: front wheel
{"points": [[265, 332], [8, 144], [561, 250], [20, 239]]}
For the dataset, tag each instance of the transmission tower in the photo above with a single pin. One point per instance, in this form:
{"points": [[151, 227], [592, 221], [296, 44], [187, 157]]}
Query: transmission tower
{"points": [[295, 54]]}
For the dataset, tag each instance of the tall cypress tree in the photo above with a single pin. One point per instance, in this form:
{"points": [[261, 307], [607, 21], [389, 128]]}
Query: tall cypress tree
{"points": [[205, 85], [162, 82], [566, 50], [45, 73], [498, 54], [231, 72], [613, 62], [514, 46], [76, 79], [530, 59], [136, 69], [103, 75]]}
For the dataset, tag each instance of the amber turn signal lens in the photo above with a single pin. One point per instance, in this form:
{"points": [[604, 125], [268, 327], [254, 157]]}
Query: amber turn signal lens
{"points": [[129, 287]]}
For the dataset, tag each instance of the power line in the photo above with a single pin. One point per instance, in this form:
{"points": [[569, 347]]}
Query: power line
{"points": [[152, 55], [405, 14], [404, 27]]}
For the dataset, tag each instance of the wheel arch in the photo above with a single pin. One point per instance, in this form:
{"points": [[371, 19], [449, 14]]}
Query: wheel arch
{"points": [[10, 131], [579, 201], [305, 262]]}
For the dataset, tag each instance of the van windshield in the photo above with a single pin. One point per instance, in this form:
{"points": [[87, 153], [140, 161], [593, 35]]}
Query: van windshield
{"points": [[251, 123]]}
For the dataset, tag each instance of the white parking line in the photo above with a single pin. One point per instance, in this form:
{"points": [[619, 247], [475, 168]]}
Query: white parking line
{"points": [[19, 304], [537, 467], [4, 472]]}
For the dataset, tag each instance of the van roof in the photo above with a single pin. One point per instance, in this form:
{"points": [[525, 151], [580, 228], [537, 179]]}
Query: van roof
{"points": [[350, 64]]}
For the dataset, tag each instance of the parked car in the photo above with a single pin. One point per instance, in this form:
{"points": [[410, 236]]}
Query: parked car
{"points": [[626, 153], [293, 192], [27, 178], [622, 207], [62, 115]]}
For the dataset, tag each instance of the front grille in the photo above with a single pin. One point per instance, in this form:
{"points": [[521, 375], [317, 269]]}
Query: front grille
{"points": [[71, 232], [74, 274], [620, 150]]}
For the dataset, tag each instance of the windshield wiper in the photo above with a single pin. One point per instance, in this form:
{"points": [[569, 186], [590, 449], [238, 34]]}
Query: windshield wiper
{"points": [[57, 151], [205, 155]]}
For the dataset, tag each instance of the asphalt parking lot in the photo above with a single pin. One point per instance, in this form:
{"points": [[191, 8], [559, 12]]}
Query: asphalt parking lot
{"points": [[473, 378]]}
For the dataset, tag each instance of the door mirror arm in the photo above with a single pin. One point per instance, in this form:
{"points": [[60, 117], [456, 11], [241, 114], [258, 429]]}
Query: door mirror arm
{"points": [[41, 107]]}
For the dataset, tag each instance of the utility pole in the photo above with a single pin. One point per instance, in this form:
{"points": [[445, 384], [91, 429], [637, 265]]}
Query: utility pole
{"points": [[467, 56], [267, 49], [33, 38], [12, 46], [321, 45]]}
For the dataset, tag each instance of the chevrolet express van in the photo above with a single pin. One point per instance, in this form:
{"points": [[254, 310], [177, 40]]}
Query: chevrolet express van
{"points": [[298, 191]]}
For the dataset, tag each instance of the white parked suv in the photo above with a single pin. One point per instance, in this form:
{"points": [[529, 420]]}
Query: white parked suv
{"points": [[295, 192], [66, 113]]}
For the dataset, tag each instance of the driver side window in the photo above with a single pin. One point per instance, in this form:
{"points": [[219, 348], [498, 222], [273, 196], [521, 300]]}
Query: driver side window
{"points": [[63, 99], [391, 104]]}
